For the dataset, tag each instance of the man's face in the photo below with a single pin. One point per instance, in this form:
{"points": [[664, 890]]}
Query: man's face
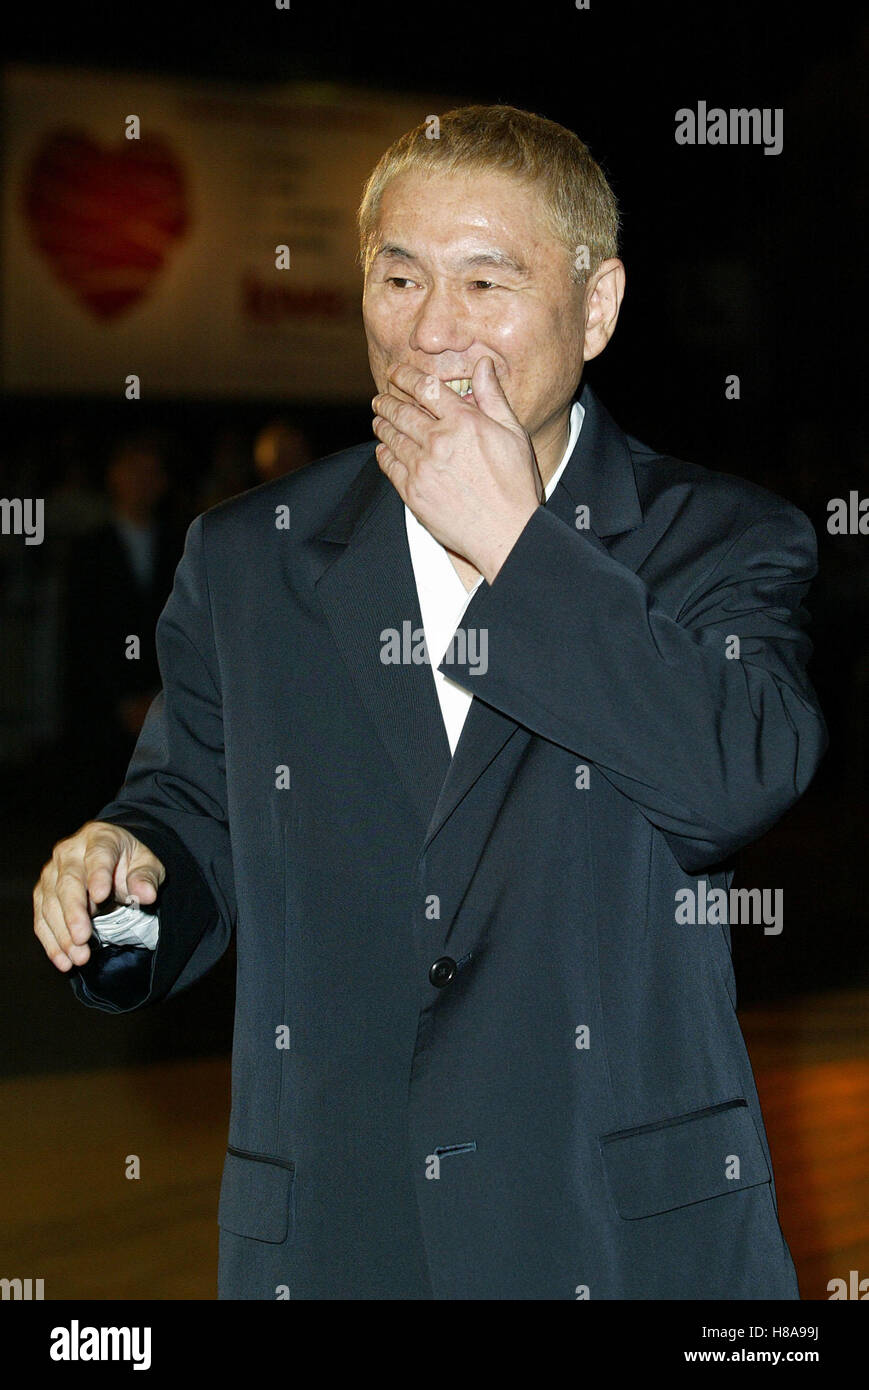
{"points": [[467, 268]]}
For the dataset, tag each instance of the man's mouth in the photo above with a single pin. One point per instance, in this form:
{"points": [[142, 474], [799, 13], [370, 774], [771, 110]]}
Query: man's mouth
{"points": [[461, 385]]}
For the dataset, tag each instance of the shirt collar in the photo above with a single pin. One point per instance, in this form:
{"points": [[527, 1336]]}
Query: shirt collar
{"points": [[577, 414]]}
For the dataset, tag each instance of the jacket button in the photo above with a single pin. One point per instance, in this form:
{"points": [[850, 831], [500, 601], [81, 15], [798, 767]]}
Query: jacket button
{"points": [[442, 971]]}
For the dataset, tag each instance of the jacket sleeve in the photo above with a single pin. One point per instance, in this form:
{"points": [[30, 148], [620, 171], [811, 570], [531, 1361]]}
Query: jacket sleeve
{"points": [[174, 801], [711, 748]]}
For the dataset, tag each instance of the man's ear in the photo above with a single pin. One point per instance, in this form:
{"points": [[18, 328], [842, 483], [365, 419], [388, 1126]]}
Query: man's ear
{"points": [[603, 299]]}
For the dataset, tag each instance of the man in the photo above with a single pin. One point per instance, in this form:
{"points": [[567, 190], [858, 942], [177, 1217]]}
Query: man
{"points": [[476, 1054]]}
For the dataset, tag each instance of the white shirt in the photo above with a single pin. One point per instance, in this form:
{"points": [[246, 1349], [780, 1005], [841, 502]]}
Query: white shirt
{"points": [[443, 599]]}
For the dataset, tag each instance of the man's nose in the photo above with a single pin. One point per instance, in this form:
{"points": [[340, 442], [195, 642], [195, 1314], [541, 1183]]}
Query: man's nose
{"points": [[441, 323]]}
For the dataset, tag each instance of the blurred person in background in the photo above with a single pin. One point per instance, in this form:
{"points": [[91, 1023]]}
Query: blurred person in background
{"points": [[118, 577], [230, 471]]}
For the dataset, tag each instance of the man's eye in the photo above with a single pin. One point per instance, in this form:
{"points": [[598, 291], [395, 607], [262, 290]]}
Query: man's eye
{"points": [[394, 279], [484, 284]]}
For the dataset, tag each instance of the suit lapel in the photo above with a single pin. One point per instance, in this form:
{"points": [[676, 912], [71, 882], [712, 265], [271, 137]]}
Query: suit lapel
{"points": [[366, 589], [600, 475]]}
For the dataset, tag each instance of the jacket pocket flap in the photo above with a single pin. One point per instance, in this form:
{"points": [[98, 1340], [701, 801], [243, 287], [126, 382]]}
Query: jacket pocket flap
{"points": [[256, 1196], [690, 1158]]}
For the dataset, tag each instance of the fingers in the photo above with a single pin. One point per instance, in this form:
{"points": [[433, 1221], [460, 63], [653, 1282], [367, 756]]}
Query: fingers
{"points": [[405, 417], [67, 910], [144, 875], [429, 391], [397, 443], [394, 469], [46, 936], [51, 924], [102, 853], [99, 862]]}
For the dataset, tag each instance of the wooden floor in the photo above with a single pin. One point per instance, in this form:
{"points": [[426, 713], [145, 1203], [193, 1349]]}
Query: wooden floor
{"points": [[70, 1216], [811, 1062]]}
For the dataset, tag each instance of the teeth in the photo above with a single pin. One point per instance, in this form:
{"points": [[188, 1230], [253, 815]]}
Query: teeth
{"points": [[461, 385]]}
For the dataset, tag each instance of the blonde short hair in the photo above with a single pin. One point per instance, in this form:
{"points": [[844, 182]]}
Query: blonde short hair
{"points": [[578, 202]]}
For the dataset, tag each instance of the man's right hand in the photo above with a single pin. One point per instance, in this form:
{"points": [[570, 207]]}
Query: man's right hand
{"points": [[100, 862]]}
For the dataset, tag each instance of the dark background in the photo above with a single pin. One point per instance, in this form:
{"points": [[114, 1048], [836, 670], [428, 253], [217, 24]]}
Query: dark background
{"points": [[737, 263]]}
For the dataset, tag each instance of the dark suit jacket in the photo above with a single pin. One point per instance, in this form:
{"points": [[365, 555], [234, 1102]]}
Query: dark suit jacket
{"points": [[562, 1170]]}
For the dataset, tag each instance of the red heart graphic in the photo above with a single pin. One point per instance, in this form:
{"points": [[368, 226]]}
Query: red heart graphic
{"points": [[105, 219]]}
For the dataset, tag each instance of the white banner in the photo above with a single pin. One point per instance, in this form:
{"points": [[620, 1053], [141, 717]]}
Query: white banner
{"points": [[155, 256]]}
